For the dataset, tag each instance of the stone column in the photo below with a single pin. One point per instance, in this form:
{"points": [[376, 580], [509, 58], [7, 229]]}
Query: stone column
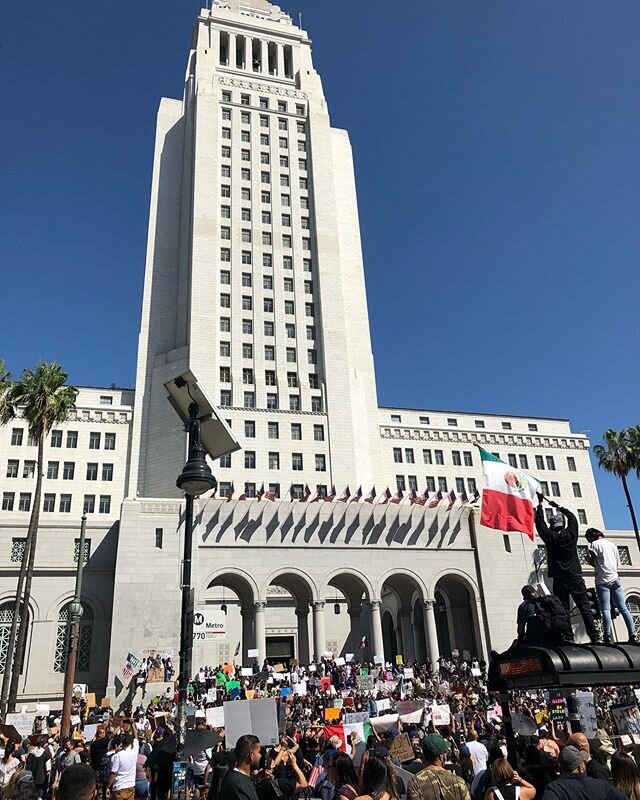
{"points": [[355, 628], [248, 616], [319, 636], [232, 50], [264, 57], [431, 632], [215, 44], [408, 651], [304, 655], [261, 630], [280, 60], [248, 54], [377, 643]]}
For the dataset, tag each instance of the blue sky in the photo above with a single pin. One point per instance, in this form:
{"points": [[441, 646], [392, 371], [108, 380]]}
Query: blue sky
{"points": [[497, 160]]}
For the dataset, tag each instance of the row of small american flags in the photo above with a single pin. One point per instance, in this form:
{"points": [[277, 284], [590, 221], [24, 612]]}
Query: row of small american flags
{"points": [[411, 497]]}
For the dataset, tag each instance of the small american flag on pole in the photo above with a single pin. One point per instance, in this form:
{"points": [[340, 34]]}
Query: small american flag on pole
{"points": [[316, 772]]}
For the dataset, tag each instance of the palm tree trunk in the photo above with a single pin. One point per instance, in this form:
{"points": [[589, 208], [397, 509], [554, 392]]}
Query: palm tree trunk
{"points": [[32, 537], [631, 509], [9, 660]]}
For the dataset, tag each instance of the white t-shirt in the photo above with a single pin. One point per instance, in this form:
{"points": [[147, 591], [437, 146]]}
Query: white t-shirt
{"points": [[123, 764], [607, 560], [479, 755]]}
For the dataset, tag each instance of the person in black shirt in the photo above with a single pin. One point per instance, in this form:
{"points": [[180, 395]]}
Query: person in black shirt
{"points": [[562, 558], [526, 610], [237, 784]]}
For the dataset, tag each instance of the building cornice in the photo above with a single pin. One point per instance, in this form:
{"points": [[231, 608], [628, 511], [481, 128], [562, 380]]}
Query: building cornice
{"points": [[483, 437]]}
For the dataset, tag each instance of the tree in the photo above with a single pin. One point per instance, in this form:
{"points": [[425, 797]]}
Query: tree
{"points": [[616, 456], [633, 437], [41, 398]]}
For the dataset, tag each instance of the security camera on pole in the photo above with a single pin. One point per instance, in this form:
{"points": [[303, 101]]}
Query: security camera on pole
{"points": [[209, 435]]}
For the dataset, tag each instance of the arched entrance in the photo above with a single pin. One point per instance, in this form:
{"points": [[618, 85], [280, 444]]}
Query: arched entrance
{"points": [[289, 596], [401, 593], [389, 637], [235, 595], [348, 593], [456, 617]]}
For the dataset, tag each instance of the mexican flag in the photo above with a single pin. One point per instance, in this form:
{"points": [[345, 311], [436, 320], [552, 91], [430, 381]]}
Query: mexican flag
{"points": [[508, 496], [343, 731]]}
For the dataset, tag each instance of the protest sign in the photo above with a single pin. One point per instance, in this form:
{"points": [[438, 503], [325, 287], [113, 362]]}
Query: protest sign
{"points": [[356, 718], [251, 716], [626, 718], [385, 722], [410, 710], [23, 723], [340, 662], [279, 668], [364, 671], [408, 672], [300, 688], [332, 713], [365, 683], [250, 694], [557, 705], [79, 689], [215, 716], [90, 699], [75, 720], [337, 703], [328, 654], [401, 748], [89, 732], [399, 660], [384, 704], [475, 671], [325, 684], [253, 653], [246, 672], [440, 715], [285, 691], [378, 659], [349, 657], [586, 710]]}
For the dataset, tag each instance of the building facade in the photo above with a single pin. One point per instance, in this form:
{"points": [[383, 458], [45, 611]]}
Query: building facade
{"points": [[254, 280]]}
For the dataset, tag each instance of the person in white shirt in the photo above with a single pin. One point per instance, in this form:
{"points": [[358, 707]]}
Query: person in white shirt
{"points": [[122, 780], [479, 753], [605, 559]]}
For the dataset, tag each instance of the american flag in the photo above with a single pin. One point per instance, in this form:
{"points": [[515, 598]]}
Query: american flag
{"points": [[316, 771], [413, 496], [421, 499], [386, 496], [464, 498], [306, 494], [230, 492], [452, 500], [363, 643], [315, 496], [371, 496], [397, 497], [127, 671], [475, 498], [131, 659], [356, 497], [243, 495], [270, 494], [346, 494], [260, 492], [331, 496], [435, 500]]}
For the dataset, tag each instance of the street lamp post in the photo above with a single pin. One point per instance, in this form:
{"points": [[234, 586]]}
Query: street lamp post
{"points": [[75, 615], [195, 479]]}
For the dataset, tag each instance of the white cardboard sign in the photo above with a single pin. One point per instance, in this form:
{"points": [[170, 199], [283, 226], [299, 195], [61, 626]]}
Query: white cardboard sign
{"points": [[251, 716]]}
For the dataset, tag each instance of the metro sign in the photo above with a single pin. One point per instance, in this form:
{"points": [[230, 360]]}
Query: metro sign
{"points": [[209, 625]]}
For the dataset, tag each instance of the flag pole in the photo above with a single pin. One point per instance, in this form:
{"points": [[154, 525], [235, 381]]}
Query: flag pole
{"points": [[476, 559]]}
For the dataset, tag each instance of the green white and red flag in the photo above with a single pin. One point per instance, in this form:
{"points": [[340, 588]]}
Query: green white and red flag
{"points": [[507, 497]]}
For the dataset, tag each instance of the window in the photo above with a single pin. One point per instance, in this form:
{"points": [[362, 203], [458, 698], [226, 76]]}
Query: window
{"points": [[312, 357], [302, 164], [506, 426], [439, 457], [304, 203], [225, 397], [56, 439], [245, 136], [72, 439], [532, 427], [246, 257], [282, 123], [268, 329], [288, 284], [245, 194], [571, 463], [300, 110], [274, 460], [105, 504], [17, 551], [92, 471], [539, 462], [272, 401], [524, 462], [225, 300], [286, 240], [225, 349], [408, 455], [265, 177], [264, 139], [7, 500], [245, 116], [290, 329], [296, 462], [291, 355], [468, 458], [107, 472], [479, 423], [455, 458], [246, 237], [49, 503], [29, 469], [426, 457], [269, 352], [412, 482], [459, 485], [296, 431], [582, 517], [302, 146], [471, 483], [285, 200], [84, 640], [225, 212], [282, 105], [264, 102], [264, 121], [225, 151], [225, 276], [555, 489], [286, 220], [292, 380], [250, 489], [308, 287], [226, 133], [246, 215], [431, 483], [68, 470], [16, 437], [265, 197], [94, 441], [226, 97], [247, 376], [273, 430], [452, 422], [249, 459], [544, 488], [264, 158], [306, 244], [400, 484], [550, 462], [303, 183], [89, 504], [12, 468], [308, 309], [316, 404], [577, 491], [442, 484], [289, 307], [247, 302], [225, 463], [314, 381], [321, 462], [311, 332], [226, 113], [512, 460], [283, 142], [225, 254], [247, 326], [225, 171], [625, 555], [397, 455], [267, 305], [65, 503], [52, 470], [294, 402], [284, 162]]}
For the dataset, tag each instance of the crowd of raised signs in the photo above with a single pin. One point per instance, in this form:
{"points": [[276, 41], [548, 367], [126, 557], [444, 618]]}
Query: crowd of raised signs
{"points": [[333, 705]]}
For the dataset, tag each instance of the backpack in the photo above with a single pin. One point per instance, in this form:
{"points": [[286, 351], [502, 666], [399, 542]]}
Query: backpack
{"points": [[550, 623]]}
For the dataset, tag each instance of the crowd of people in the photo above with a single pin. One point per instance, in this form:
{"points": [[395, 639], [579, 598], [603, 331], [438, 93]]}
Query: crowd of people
{"points": [[462, 756]]}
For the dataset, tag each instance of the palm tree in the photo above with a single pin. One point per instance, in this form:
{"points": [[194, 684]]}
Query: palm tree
{"points": [[633, 437], [616, 456], [41, 398]]}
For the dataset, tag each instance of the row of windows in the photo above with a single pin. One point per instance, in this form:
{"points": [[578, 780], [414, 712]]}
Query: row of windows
{"points": [[555, 489], [267, 283], [268, 329], [263, 102], [433, 484], [297, 461], [297, 491], [583, 552], [270, 378], [272, 401], [49, 503], [53, 470], [57, 437], [18, 546], [287, 264], [247, 304], [287, 241], [245, 172], [452, 422], [245, 118], [520, 461]]}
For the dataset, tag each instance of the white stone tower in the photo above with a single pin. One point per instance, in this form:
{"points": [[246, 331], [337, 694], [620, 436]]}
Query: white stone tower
{"points": [[254, 275]]}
